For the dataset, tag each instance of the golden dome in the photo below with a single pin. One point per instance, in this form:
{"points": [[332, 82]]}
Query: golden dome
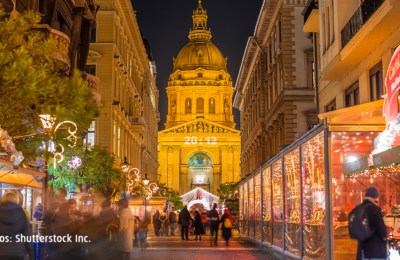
{"points": [[202, 54], [200, 51]]}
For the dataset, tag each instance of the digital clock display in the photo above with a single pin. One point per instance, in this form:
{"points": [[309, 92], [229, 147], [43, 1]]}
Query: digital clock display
{"points": [[193, 140]]}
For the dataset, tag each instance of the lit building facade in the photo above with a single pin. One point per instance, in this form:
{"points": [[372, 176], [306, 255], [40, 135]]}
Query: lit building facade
{"points": [[200, 146], [275, 85], [121, 58]]}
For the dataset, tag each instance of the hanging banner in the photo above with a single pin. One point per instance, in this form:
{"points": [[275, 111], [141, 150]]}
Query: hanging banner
{"points": [[356, 166], [387, 157], [392, 82]]}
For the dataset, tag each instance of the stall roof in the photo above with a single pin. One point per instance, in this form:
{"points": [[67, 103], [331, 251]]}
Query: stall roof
{"points": [[364, 117], [20, 176]]}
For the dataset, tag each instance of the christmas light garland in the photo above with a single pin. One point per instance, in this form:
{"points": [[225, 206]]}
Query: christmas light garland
{"points": [[198, 195]]}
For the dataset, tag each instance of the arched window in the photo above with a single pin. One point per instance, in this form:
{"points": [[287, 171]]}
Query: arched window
{"points": [[200, 105], [212, 105], [188, 106]]}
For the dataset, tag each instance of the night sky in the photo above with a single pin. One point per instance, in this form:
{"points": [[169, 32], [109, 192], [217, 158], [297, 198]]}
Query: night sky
{"points": [[166, 23]]}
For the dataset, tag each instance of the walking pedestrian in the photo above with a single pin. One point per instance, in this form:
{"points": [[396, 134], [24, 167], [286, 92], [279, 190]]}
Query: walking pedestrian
{"points": [[74, 212], [226, 221], [13, 222], [157, 223], [38, 214], [142, 233], [373, 247], [172, 222], [64, 225], [164, 223], [213, 223], [106, 227], [204, 221], [126, 230], [184, 217], [198, 227]]}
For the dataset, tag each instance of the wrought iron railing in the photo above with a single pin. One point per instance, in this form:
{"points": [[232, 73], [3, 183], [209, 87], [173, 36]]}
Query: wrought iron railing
{"points": [[359, 18], [313, 5]]}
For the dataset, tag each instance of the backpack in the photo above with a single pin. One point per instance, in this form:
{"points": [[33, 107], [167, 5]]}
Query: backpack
{"points": [[359, 228], [227, 223]]}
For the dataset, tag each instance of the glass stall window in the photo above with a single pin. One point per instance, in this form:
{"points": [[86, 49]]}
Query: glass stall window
{"points": [[241, 210], [292, 202], [313, 186], [348, 192], [257, 206], [245, 209], [251, 208], [267, 205], [277, 204]]}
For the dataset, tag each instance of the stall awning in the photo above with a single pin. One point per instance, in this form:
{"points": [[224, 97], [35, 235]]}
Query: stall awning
{"points": [[19, 176], [364, 117]]}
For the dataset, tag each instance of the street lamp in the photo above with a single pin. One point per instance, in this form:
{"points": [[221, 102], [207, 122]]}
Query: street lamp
{"points": [[125, 166], [146, 180]]}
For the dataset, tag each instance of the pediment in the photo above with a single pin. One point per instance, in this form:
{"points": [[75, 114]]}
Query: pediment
{"points": [[200, 125]]}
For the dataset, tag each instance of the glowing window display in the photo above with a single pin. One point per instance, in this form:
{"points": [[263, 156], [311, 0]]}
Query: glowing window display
{"points": [[348, 192], [241, 210], [257, 206], [313, 186], [267, 205], [251, 208], [277, 204], [292, 202], [245, 209]]}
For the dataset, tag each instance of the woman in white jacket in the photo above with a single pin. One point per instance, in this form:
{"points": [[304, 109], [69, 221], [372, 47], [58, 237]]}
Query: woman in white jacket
{"points": [[126, 229]]}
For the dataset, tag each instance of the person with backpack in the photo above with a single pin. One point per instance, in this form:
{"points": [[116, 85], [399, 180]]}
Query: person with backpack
{"points": [[164, 223], [172, 222], [213, 223], [366, 225], [226, 221]]}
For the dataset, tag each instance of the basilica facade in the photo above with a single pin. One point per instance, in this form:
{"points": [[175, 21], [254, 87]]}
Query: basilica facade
{"points": [[200, 146]]}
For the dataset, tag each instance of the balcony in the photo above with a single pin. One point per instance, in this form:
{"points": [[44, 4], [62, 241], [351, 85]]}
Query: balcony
{"points": [[92, 82], [360, 17], [372, 23], [62, 39], [311, 17], [138, 124]]}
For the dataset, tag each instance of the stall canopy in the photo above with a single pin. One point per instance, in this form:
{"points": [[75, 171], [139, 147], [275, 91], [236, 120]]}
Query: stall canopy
{"points": [[19, 176]]}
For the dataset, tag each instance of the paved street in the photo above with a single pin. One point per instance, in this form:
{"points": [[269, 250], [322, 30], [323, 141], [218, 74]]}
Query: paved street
{"points": [[172, 247]]}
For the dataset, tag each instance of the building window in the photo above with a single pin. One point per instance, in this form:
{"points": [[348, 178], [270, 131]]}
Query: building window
{"points": [[376, 82], [119, 142], [323, 32], [88, 140], [331, 106], [200, 105], [212, 105], [353, 95], [93, 35], [313, 74], [275, 42], [188, 106], [200, 75], [90, 69], [115, 139]]}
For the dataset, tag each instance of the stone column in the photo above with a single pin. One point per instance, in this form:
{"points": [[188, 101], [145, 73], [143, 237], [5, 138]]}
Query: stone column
{"points": [[236, 163], [175, 172], [184, 173], [216, 183], [224, 163]]}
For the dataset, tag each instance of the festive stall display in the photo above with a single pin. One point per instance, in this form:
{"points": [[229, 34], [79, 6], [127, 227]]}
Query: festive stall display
{"points": [[199, 196], [277, 204], [251, 208], [266, 205], [245, 209], [241, 216], [292, 202], [257, 206]]}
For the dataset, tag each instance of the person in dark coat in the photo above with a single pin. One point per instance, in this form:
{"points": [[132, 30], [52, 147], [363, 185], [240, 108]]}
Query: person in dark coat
{"points": [[226, 231], [48, 217], [198, 227], [13, 222], [157, 223], [64, 225], [172, 222], [213, 223], [105, 240], [184, 217], [375, 246], [38, 214]]}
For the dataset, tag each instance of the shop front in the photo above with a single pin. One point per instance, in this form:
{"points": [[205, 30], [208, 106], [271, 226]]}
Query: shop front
{"points": [[297, 203], [142, 207]]}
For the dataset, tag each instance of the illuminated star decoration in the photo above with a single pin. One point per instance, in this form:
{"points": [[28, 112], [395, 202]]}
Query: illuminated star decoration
{"points": [[75, 162]]}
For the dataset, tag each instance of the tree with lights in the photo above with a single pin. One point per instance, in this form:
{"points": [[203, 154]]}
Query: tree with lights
{"points": [[172, 196], [34, 83], [85, 169], [228, 191]]}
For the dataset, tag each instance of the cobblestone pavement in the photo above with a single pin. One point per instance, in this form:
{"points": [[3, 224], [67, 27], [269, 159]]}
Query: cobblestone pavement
{"points": [[173, 248]]}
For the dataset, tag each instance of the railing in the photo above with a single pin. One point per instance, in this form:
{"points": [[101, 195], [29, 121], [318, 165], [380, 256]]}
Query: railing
{"points": [[360, 17], [313, 5], [134, 120]]}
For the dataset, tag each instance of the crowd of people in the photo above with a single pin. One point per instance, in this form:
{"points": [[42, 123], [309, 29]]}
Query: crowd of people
{"points": [[194, 222], [110, 234]]}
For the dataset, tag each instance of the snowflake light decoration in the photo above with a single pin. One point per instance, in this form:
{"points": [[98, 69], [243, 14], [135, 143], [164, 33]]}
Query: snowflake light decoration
{"points": [[75, 162]]}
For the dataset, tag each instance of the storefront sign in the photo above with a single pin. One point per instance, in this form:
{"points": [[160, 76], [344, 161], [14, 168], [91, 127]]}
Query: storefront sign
{"points": [[391, 106], [356, 166], [387, 157]]}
